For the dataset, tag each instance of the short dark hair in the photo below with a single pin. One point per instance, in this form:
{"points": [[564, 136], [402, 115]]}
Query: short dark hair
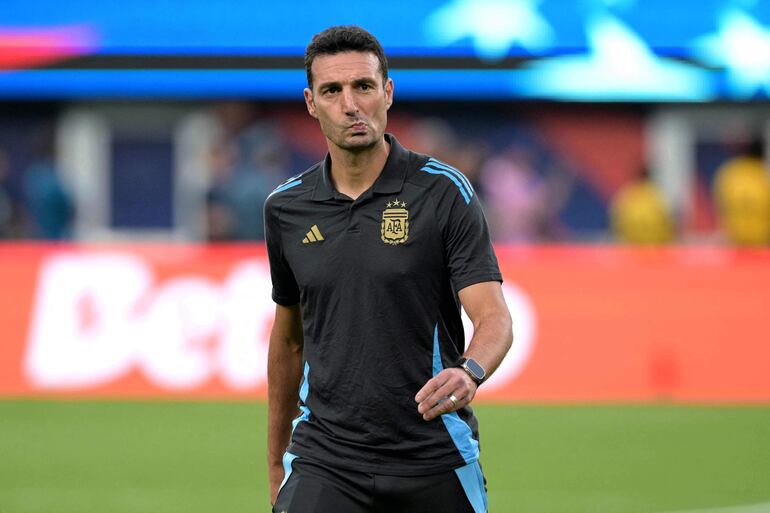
{"points": [[344, 38]]}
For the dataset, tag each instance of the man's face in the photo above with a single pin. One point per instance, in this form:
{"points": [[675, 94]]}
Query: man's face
{"points": [[349, 100]]}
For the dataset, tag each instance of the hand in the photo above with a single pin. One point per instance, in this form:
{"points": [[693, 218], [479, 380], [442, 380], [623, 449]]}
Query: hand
{"points": [[434, 398], [275, 475]]}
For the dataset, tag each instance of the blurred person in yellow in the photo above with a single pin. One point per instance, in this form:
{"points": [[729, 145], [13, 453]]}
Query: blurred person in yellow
{"points": [[640, 213], [742, 196]]}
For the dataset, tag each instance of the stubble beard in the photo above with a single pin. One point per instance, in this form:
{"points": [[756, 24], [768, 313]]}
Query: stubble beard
{"points": [[358, 144]]}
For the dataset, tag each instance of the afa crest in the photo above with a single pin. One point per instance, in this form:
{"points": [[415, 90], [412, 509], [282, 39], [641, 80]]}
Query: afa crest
{"points": [[395, 223]]}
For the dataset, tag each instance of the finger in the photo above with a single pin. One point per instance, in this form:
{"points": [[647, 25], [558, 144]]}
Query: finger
{"points": [[444, 406], [457, 384], [433, 391], [455, 381], [430, 386], [438, 403], [438, 395]]}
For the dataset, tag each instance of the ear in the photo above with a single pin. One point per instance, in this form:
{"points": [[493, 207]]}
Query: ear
{"points": [[309, 102], [389, 92]]}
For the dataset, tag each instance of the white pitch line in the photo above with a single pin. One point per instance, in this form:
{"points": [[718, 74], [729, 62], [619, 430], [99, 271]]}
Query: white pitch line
{"points": [[762, 507]]}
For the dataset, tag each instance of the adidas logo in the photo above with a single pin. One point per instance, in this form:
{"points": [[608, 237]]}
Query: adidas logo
{"points": [[314, 235]]}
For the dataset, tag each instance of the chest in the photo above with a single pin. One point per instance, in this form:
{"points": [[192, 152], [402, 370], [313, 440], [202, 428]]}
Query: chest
{"points": [[383, 239]]}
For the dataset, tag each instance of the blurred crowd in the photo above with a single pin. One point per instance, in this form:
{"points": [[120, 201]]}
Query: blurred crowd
{"points": [[531, 192], [246, 161], [740, 196], [34, 202]]}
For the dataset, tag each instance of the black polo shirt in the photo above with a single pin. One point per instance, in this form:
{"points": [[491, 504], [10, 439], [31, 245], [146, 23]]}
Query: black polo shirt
{"points": [[377, 281]]}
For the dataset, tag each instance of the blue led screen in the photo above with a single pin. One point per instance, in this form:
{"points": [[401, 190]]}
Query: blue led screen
{"points": [[581, 50]]}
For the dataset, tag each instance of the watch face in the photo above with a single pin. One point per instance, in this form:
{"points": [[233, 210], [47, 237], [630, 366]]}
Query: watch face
{"points": [[475, 368]]}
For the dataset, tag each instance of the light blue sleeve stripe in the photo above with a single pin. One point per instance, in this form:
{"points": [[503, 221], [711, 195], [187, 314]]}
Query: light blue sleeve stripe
{"points": [[453, 170], [472, 482], [303, 391], [451, 177], [288, 458], [446, 167], [286, 186], [460, 432]]}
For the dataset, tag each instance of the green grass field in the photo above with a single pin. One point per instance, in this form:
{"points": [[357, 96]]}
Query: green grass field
{"points": [[165, 457]]}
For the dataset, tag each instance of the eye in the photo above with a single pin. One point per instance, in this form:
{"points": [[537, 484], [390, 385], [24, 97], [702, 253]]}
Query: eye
{"points": [[365, 87]]}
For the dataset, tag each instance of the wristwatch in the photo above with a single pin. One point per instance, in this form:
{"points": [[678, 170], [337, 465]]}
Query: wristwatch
{"points": [[474, 370]]}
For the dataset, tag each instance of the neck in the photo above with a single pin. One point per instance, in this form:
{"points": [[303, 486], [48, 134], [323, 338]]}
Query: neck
{"points": [[354, 172]]}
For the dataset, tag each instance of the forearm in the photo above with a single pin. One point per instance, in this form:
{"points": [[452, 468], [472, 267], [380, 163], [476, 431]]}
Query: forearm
{"points": [[492, 338], [284, 372], [492, 327]]}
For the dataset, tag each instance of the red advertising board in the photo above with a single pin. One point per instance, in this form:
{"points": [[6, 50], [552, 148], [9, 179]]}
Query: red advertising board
{"points": [[591, 323]]}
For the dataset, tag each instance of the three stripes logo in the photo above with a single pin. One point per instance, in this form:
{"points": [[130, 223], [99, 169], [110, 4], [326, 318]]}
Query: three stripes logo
{"points": [[314, 235]]}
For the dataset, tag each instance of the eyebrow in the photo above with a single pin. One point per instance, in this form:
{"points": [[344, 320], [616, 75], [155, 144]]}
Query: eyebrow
{"points": [[355, 82], [329, 84], [364, 80]]}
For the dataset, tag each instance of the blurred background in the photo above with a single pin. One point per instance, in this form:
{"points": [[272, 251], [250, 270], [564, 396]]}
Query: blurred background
{"points": [[621, 149]]}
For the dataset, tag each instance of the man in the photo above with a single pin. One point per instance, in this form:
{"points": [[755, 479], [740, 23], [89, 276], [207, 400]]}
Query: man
{"points": [[640, 213], [372, 251], [742, 197]]}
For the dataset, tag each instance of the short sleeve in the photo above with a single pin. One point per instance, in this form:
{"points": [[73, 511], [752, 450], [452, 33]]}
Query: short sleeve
{"points": [[467, 244], [285, 289]]}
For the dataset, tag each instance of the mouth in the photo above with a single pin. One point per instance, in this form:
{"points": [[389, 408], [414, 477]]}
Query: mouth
{"points": [[358, 127]]}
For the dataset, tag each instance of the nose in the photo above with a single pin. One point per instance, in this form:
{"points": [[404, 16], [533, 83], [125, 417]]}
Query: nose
{"points": [[349, 102]]}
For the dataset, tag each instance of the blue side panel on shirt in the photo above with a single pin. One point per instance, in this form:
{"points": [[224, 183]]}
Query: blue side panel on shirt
{"points": [[303, 391], [288, 458], [452, 177], [459, 431], [472, 481], [437, 365]]}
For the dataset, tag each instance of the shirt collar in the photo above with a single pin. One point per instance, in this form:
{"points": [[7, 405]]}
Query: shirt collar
{"points": [[391, 179]]}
